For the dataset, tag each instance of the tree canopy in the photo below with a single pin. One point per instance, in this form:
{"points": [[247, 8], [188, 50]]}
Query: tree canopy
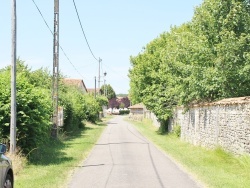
{"points": [[203, 60], [108, 91]]}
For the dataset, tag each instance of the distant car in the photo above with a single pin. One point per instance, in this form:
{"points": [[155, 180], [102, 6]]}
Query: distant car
{"points": [[6, 172]]}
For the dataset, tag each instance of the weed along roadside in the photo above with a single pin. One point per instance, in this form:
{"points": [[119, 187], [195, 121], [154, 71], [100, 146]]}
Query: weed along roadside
{"points": [[215, 168], [51, 165]]}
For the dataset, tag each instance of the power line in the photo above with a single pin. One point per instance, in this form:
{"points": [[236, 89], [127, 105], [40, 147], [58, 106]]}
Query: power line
{"points": [[59, 44], [84, 32], [42, 17]]}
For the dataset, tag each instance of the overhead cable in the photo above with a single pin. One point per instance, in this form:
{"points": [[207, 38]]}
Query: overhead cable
{"points": [[59, 44], [84, 32]]}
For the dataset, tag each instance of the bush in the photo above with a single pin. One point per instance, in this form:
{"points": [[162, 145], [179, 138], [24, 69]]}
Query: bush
{"points": [[92, 108], [122, 112], [163, 127], [34, 106], [177, 130], [33, 112], [102, 100], [71, 99]]}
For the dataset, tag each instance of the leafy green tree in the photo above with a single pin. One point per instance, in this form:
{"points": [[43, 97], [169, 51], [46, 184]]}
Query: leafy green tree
{"points": [[109, 91], [224, 27], [41, 78], [102, 100], [203, 60], [122, 95]]}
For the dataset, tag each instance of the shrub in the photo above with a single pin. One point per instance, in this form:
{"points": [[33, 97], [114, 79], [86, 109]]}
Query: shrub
{"points": [[34, 106], [177, 130], [33, 112], [92, 108], [74, 108], [122, 112], [102, 100]]}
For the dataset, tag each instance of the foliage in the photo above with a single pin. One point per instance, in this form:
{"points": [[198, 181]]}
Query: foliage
{"points": [[203, 60], [163, 129], [109, 91], [92, 108], [124, 101], [33, 110], [122, 112], [121, 105], [113, 103], [34, 106], [120, 102], [102, 100], [79, 107], [41, 78], [71, 99], [122, 95], [177, 130]]}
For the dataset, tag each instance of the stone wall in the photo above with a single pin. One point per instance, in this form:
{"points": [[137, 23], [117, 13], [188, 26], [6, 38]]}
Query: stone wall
{"points": [[136, 117], [150, 115], [225, 123]]}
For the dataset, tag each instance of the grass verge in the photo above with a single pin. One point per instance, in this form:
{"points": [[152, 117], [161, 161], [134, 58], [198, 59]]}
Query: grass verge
{"points": [[215, 168], [51, 165]]}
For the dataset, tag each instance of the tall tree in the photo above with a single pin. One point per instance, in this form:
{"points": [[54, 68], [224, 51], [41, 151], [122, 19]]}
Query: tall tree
{"points": [[203, 60], [109, 91]]}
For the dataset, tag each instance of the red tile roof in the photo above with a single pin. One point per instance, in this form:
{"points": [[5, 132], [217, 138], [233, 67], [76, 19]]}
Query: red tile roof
{"points": [[75, 82]]}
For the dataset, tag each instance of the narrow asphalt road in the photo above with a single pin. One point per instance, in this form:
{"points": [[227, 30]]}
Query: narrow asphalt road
{"points": [[124, 158]]}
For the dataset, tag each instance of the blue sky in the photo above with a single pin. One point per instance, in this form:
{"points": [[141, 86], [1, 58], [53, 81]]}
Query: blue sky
{"points": [[115, 30]]}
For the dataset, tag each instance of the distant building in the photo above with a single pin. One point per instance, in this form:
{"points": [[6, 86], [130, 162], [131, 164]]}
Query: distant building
{"points": [[137, 109], [76, 82]]}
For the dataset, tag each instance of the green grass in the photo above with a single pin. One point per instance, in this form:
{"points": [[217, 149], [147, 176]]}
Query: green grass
{"points": [[215, 168], [51, 165]]}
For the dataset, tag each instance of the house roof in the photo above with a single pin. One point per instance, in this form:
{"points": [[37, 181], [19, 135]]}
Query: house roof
{"points": [[75, 82], [137, 106]]}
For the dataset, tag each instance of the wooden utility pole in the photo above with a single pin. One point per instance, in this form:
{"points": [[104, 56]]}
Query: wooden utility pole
{"points": [[99, 76], [105, 73], [104, 87], [55, 70], [13, 82], [95, 86]]}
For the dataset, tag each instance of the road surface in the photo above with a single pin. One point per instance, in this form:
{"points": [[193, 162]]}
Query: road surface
{"points": [[124, 158]]}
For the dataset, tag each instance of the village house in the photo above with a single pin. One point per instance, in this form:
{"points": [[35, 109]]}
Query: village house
{"points": [[76, 82]]}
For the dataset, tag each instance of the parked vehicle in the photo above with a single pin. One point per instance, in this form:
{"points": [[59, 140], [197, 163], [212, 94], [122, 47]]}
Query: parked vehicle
{"points": [[6, 171]]}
